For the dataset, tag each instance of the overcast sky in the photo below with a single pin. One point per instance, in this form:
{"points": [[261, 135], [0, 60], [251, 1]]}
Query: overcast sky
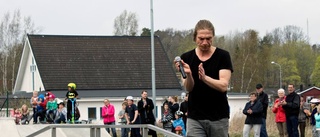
{"points": [[96, 17]]}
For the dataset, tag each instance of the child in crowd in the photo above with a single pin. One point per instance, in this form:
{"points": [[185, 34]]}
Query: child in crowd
{"points": [[317, 119], [33, 101], [61, 114], [51, 108], [17, 115], [41, 109], [166, 118], [71, 96], [178, 124], [24, 114], [123, 121]]}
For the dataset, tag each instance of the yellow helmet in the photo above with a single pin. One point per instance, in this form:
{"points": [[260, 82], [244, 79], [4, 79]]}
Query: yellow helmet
{"points": [[72, 85]]}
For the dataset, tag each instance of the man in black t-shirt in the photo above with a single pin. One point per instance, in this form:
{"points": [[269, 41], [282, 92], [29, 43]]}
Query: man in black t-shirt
{"points": [[132, 116], [208, 71]]}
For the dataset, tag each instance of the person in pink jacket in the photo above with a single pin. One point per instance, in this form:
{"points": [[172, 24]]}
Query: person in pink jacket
{"points": [[108, 116], [280, 114]]}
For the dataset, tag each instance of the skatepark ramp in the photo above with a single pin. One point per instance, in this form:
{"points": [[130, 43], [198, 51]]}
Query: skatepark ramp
{"points": [[10, 129]]}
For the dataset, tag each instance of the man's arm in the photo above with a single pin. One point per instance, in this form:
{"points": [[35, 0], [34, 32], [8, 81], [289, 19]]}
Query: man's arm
{"points": [[136, 113], [127, 118], [188, 83], [150, 105], [140, 106], [221, 84]]}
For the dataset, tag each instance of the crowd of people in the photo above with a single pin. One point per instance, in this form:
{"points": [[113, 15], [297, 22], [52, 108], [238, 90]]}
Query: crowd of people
{"points": [[291, 113], [47, 109], [173, 116]]}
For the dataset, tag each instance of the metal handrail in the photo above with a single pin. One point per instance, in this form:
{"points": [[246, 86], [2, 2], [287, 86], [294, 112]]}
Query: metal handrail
{"points": [[95, 129]]}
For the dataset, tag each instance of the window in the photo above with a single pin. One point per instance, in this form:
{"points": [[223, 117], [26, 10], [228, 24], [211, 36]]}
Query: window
{"points": [[308, 99], [92, 113], [156, 111], [101, 113]]}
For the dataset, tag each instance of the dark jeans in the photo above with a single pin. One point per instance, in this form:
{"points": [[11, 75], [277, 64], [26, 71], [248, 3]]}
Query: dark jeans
{"points": [[71, 105], [41, 115], [135, 132], [263, 131], [61, 119], [51, 115], [113, 130], [292, 126], [34, 114], [302, 127], [124, 132]]}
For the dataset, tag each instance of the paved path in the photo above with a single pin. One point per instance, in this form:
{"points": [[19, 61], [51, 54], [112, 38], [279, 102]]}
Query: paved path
{"points": [[9, 129]]}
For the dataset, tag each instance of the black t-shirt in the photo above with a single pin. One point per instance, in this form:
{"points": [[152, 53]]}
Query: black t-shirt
{"points": [[131, 111], [205, 102], [71, 94]]}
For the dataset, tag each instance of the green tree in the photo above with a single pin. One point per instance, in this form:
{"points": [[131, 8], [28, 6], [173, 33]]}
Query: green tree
{"points": [[145, 32], [290, 72], [306, 59], [246, 64], [315, 77]]}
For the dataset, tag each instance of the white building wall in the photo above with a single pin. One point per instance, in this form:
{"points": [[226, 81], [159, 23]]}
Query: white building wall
{"points": [[84, 104], [236, 106], [27, 82]]}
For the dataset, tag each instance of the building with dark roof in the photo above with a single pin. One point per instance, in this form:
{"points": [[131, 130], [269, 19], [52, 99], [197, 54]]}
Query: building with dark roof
{"points": [[101, 66]]}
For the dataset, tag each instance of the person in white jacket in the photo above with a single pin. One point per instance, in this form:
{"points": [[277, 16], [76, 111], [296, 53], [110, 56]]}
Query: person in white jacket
{"points": [[61, 114]]}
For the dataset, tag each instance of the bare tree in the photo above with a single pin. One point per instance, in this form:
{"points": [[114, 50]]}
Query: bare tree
{"points": [[126, 24], [12, 35]]}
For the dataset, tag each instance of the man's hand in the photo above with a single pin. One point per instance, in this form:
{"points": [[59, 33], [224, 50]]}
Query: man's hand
{"points": [[201, 72]]}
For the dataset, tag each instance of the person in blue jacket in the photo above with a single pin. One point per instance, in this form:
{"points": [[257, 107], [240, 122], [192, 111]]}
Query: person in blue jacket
{"points": [[178, 124]]}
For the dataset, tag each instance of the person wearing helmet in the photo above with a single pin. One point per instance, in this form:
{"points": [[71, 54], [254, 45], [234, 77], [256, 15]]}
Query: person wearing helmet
{"points": [[314, 104], [51, 108], [178, 124], [71, 94]]}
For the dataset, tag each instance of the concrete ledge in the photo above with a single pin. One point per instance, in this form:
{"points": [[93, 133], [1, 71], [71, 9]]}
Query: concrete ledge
{"points": [[8, 127]]}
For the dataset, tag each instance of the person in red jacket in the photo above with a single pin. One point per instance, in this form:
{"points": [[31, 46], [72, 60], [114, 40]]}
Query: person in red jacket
{"points": [[108, 116], [280, 114]]}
